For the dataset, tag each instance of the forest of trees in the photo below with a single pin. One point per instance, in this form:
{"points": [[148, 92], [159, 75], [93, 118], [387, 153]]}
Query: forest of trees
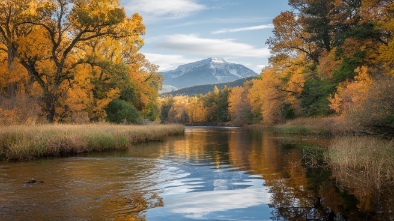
{"points": [[77, 61], [73, 61], [329, 58]]}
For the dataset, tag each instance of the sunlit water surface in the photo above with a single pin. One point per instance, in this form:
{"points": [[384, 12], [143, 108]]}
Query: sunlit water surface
{"points": [[208, 174]]}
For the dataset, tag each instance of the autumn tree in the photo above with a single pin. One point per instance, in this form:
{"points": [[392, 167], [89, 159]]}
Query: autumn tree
{"points": [[238, 106], [380, 13], [308, 29], [306, 32], [290, 38], [116, 64], [377, 108], [366, 68], [196, 111], [351, 94], [255, 99], [216, 104], [178, 110], [165, 104], [51, 40], [272, 98], [143, 91]]}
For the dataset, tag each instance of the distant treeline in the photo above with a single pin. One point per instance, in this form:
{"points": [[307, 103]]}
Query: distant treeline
{"points": [[205, 89]]}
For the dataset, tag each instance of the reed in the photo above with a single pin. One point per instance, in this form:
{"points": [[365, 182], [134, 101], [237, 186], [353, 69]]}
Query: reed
{"points": [[29, 142], [364, 166], [326, 126], [367, 159]]}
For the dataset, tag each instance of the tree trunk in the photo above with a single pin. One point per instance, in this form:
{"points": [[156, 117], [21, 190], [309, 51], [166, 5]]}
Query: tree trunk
{"points": [[12, 54], [50, 107]]}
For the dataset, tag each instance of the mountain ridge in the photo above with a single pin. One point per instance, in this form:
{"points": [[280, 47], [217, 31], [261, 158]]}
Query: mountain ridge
{"points": [[203, 72]]}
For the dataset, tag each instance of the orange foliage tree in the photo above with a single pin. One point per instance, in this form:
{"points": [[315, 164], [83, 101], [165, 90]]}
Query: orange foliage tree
{"points": [[81, 53], [239, 107]]}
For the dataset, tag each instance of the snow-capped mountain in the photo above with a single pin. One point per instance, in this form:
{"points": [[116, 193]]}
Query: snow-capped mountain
{"points": [[208, 71]]}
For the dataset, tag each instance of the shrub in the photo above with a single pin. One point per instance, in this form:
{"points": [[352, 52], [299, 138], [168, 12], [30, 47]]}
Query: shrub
{"points": [[376, 112], [119, 111]]}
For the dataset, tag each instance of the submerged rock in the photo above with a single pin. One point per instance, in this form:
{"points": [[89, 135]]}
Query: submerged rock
{"points": [[34, 181]]}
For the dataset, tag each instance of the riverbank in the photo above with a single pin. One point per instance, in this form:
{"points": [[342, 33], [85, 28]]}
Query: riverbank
{"points": [[318, 126], [31, 142], [334, 125]]}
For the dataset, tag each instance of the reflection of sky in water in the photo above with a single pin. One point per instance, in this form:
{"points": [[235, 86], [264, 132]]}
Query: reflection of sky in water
{"points": [[198, 191]]}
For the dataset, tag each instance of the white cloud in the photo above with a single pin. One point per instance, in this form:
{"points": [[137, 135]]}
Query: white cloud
{"points": [[192, 44], [252, 28], [163, 9], [260, 68], [243, 20], [222, 21], [167, 61]]}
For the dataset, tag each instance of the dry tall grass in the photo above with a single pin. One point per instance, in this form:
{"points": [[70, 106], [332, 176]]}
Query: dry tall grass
{"points": [[28, 142], [327, 125], [367, 159], [365, 167]]}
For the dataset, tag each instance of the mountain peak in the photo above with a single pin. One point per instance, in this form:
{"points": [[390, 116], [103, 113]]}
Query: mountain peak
{"points": [[217, 60], [208, 71]]}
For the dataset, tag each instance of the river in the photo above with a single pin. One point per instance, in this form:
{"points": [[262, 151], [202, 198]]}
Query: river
{"points": [[208, 174]]}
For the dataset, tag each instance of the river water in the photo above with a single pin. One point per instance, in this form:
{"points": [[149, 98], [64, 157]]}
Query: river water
{"points": [[208, 174]]}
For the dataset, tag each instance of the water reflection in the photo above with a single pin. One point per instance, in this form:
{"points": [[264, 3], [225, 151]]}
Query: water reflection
{"points": [[209, 174], [374, 192], [206, 185]]}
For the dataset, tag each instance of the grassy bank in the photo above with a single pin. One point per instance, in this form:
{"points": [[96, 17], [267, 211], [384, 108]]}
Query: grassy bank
{"points": [[324, 126], [371, 156], [29, 142]]}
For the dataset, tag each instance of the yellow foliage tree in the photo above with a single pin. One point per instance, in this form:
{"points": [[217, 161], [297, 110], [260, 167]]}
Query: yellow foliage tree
{"points": [[350, 95], [196, 110], [81, 53], [178, 110], [239, 108], [255, 98], [272, 98], [47, 38], [277, 94]]}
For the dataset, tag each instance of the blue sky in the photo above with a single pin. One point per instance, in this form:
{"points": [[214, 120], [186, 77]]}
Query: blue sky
{"points": [[184, 31]]}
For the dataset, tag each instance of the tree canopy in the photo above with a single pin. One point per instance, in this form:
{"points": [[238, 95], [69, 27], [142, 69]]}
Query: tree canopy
{"points": [[74, 56]]}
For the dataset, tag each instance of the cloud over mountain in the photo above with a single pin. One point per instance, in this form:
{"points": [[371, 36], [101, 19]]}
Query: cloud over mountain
{"points": [[194, 44], [252, 28]]}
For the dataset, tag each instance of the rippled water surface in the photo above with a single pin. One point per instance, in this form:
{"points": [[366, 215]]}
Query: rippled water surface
{"points": [[208, 174]]}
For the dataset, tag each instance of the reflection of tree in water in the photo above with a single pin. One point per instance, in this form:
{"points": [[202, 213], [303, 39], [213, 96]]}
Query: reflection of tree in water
{"points": [[363, 166], [293, 195], [302, 192], [296, 195], [375, 195], [306, 193]]}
